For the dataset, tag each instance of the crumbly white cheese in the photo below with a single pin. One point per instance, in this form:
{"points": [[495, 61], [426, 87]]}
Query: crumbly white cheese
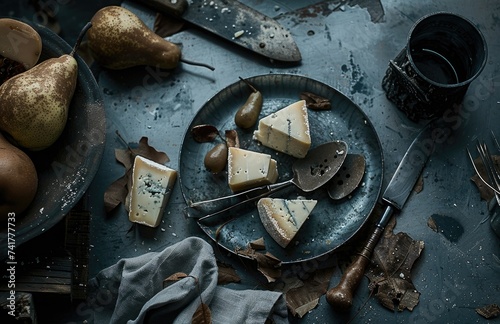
{"points": [[152, 184], [247, 169], [286, 130], [283, 218]]}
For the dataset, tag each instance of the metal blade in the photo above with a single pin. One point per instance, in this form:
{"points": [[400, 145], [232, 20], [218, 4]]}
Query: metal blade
{"points": [[409, 169], [237, 23]]}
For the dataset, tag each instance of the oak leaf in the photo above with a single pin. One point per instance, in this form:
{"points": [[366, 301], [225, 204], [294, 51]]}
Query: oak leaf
{"points": [[390, 270]]}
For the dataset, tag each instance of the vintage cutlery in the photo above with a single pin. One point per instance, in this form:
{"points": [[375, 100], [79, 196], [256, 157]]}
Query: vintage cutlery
{"points": [[347, 179], [309, 173], [395, 196], [235, 22]]}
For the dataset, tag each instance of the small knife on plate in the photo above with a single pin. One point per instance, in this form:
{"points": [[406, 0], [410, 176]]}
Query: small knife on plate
{"points": [[395, 195], [236, 22]]}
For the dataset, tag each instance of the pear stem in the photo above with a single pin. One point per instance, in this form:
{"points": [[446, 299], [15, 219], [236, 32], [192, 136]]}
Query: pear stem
{"points": [[183, 60], [80, 38]]}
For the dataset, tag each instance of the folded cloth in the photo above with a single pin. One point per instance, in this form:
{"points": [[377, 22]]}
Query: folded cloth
{"points": [[131, 291]]}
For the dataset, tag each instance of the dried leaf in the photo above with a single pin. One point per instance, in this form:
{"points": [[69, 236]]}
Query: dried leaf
{"points": [[118, 191], [232, 138], [489, 311], [258, 244], [167, 25], [173, 278], [227, 274], [204, 133], [315, 102], [149, 152], [202, 315], [390, 270], [305, 297], [267, 264]]}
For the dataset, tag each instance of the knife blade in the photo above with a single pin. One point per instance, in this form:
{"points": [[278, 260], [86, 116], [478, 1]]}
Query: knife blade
{"points": [[394, 197], [236, 23]]}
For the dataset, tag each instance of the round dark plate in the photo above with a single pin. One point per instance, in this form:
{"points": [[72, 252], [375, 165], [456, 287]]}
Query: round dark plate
{"points": [[65, 169], [331, 223]]}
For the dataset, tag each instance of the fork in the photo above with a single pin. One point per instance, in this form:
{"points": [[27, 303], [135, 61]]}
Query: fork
{"points": [[490, 167]]}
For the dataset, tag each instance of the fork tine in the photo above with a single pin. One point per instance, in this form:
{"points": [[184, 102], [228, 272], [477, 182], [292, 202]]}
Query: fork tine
{"points": [[495, 141], [479, 174], [490, 169]]}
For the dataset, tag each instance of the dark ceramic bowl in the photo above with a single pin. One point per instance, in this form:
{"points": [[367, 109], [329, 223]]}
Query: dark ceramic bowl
{"points": [[65, 169]]}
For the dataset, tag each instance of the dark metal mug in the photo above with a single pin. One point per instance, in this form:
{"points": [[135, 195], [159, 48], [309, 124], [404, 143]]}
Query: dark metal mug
{"points": [[445, 52]]}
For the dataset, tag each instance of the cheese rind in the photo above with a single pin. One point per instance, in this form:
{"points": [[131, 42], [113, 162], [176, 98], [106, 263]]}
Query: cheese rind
{"points": [[248, 169], [286, 130], [283, 218], [152, 184]]}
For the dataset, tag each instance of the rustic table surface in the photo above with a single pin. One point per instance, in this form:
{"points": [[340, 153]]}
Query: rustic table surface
{"points": [[348, 46]]}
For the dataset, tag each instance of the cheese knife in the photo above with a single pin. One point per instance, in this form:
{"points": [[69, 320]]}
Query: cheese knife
{"points": [[235, 22], [394, 197]]}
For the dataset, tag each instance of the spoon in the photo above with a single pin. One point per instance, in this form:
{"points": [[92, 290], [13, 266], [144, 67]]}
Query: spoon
{"points": [[347, 179], [309, 173]]}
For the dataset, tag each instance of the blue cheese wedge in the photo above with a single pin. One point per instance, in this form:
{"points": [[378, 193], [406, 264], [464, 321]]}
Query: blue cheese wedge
{"points": [[286, 130], [152, 184], [248, 169], [283, 218]]}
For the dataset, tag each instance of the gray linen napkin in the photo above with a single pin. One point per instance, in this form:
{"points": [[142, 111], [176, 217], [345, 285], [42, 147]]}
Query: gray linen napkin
{"points": [[131, 291]]}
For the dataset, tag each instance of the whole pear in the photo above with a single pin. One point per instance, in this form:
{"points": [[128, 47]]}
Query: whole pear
{"points": [[34, 104], [119, 39], [18, 180]]}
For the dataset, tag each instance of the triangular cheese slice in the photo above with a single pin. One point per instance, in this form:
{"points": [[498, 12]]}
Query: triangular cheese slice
{"points": [[286, 130], [248, 169], [283, 218], [152, 184]]}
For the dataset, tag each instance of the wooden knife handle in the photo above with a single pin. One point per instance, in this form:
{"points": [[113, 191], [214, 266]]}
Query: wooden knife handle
{"points": [[341, 296]]}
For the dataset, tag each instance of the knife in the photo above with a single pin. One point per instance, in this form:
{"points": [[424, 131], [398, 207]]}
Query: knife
{"points": [[394, 197], [236, 22]]}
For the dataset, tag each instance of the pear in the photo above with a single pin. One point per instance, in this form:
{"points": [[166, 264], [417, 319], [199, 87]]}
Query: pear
{"points": [[34, 104], [20, 47], [18, 180], [119, 40]]}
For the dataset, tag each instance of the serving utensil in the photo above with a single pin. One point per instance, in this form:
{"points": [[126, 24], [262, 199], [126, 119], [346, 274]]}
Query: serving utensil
{"points": [[347, 179], [492, 172], [309, 173], [394, 197]]}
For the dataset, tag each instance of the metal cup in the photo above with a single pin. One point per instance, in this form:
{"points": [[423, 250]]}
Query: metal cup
{"points": [[445, 52]]}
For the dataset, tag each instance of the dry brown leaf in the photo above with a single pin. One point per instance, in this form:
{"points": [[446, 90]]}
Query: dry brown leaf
{"points": [[232, 138], [390, 270], [203, 315], [227, 274], [117, 192], [315, 102], [258, 244], [173, 278], [267, 264], [303, 298], [489, 311]]}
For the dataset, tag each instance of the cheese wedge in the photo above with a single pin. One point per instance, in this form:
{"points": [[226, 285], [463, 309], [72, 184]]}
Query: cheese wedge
{"points": [[152, 184], [286, 130], [283, 218], [248, 169]]}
